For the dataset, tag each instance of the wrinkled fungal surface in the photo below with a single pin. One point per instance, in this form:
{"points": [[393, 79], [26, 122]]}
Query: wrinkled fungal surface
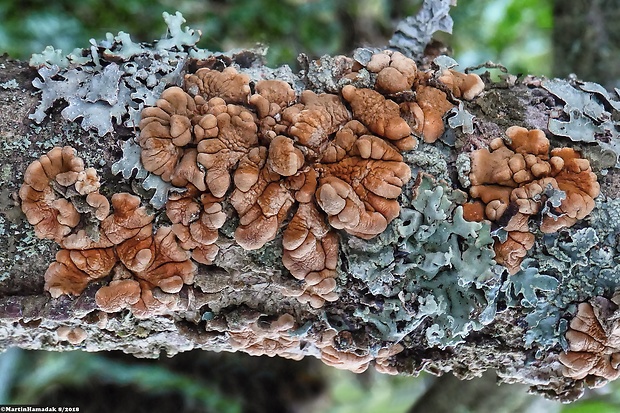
{"points": [[369, 211], [325, 156], [593, 343], [524, 178]]}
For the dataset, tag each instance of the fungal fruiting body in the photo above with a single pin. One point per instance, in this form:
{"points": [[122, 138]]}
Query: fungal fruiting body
{"points": [[147, 269], [272, 153], [593, 343], [524, 178], [332, 161]]}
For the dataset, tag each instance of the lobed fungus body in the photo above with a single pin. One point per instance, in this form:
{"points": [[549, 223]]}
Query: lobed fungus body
{"points": [[147, 269], [53, 216], [73, 336], [395, 72], [524, 178], [323, 156], [593, 343]]}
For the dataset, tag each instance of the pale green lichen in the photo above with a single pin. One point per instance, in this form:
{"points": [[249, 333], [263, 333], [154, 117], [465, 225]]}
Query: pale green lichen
{"points": [[589, 120], [9, 84], [522, 287], [111, 87], [460, 117], [571, 266], [178, 38], [439, 272], [161, 187], [130, 162], [49, 57]]}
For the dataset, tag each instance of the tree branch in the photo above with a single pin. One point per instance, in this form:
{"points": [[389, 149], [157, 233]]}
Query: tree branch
{"points": [[406, 302]]}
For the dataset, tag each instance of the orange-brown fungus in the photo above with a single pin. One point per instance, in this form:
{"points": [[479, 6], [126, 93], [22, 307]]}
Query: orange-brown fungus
{"points": [[164, 130], [270, 99], [466, 86], [338, 350], [311, 254], [148, 270], [260, 338], [118, 295], [228, 84], [52, 215], [74, 336], [434, 105], [314, 119], [395, 72], [196, 223], [594, 343], [516, 179], [73, 270], [279, 150], [380, 115], [219, 154], [359, 187]]}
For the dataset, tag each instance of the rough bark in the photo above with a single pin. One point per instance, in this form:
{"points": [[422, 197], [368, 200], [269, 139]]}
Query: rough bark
{"points": [[514, 326]]}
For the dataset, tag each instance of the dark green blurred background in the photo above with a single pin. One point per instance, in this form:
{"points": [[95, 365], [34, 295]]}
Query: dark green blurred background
{"points": [[516, 33]]}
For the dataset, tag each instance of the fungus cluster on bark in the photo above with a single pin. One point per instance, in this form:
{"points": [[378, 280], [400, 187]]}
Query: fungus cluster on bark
{"points": [[516, 180], [147, 269], [58, 172], [317, 162], [269, 152]]}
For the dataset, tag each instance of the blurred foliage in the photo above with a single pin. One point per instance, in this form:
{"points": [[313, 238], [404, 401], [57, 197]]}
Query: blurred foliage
{"points": [[43, 374], [513, 32], [602, 400], [376, 393], [591, 406], [289, 27]]}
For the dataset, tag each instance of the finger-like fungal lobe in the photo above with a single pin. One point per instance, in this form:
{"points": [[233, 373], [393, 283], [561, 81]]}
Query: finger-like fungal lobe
{"points": [[196, 219], [593, 343], [272, 97], [164, 131], [229, 85], [311, 254], [466, 86], [523, 179], [380, 115]]}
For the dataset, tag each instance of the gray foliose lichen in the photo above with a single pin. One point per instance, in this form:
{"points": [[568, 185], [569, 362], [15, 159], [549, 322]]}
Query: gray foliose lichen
{"points": [[587, 117], [109, 83], [571, 266], [112, 80], [431, 269]]}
